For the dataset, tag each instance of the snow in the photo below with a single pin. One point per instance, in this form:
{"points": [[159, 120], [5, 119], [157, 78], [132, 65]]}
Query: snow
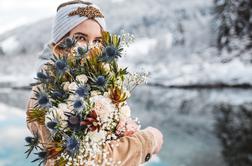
{"points": [[12, 25], [141, 47], [232, 73], [8, 81], [168, 40], [22, 12], [10, 45]]}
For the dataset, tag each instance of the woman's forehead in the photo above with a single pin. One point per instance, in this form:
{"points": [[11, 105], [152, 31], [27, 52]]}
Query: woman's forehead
{"points": [[88, 27]]}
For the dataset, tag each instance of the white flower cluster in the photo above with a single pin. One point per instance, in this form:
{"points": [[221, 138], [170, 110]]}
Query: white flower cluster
{"points": [[127, 38], [71, 87], [57, 114], [134, 79]]}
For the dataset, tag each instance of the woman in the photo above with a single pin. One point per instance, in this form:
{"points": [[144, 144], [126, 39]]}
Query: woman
{"points": [[84, 21]]}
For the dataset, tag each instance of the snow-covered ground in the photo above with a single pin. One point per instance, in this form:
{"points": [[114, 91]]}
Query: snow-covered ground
{"points": [[180, 73]]}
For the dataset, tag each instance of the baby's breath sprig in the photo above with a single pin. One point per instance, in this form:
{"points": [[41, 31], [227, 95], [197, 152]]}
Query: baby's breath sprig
{"points": [[134, 79], [126, 38]]}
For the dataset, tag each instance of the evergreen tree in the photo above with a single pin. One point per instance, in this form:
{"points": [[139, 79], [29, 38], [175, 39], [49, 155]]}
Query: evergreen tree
{"points": [[234, 21]]}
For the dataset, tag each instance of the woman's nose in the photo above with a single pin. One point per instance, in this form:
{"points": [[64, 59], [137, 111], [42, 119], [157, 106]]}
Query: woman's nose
{"points": [[91, 44]]}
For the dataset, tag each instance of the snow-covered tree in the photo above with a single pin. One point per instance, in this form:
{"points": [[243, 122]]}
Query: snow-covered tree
{"points": [[234, 21], [234, 129]]}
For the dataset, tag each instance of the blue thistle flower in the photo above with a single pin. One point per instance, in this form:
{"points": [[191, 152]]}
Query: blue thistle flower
{"points": [[61, 66], [68, 43], [43, 101], [29, 139], [42, 76], [81, 51], [72, 145], [57, 95], [52, 125], [109, 53], [78, 105], [73, 121], [42, 154], [101, 81], [42, 157], [32, 143], [72, 71], [83, 91]]}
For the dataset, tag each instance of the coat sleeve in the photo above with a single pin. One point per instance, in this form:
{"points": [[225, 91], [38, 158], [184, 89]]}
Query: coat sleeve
{"points": [[34, 127], [132, 150]]}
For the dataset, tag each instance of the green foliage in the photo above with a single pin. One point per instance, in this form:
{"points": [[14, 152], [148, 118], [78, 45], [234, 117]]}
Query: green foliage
{"points": [[36, 114]]}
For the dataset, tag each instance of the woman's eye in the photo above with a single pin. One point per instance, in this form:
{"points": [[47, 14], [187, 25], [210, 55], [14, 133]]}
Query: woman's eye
{"points": [[80, 38], [97, 41]]}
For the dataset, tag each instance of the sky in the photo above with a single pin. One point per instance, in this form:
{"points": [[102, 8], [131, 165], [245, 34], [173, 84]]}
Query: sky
{"points": [[14, 13]]}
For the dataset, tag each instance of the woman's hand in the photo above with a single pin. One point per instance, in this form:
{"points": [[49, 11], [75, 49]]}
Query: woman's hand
{"points": [[158, 138], [127, 127]]}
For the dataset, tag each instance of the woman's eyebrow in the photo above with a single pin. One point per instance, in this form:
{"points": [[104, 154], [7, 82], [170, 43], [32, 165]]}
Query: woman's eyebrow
{"points": [[99, 37], [80, 33]]}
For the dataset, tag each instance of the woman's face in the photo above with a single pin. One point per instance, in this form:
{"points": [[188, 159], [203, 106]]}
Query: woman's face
{"points": [[87, 32]]}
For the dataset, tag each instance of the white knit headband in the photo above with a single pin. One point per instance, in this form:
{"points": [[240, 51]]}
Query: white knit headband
{"points": [[63, 23]]}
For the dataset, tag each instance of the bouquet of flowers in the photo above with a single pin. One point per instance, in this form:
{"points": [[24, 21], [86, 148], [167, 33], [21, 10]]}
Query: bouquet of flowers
{"points": [[81, 97]]}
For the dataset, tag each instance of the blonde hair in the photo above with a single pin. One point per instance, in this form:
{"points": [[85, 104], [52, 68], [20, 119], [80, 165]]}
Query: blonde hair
{"points": [[56, 49]]}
